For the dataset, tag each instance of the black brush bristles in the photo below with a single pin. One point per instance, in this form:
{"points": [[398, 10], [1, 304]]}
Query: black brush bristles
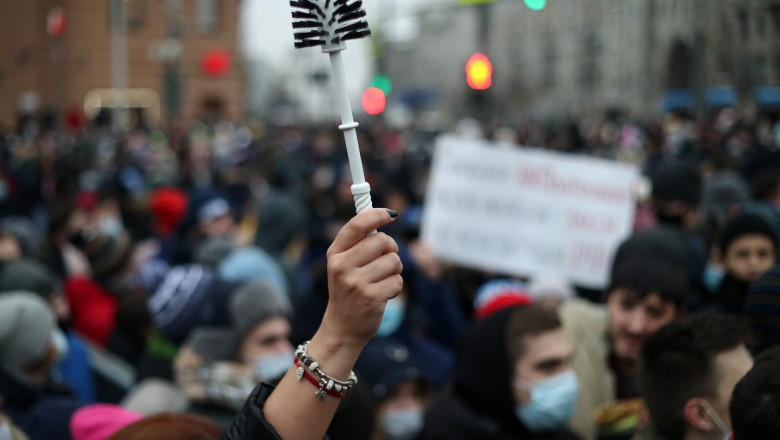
{"points": [[328, 22]]}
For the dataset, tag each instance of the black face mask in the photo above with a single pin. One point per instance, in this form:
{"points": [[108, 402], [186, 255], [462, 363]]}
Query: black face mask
{"points": [[65, 324], [671, 220]]}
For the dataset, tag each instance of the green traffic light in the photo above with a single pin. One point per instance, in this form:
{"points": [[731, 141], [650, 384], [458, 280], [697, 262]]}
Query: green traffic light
{"points": [[382, 83], [536, 5]]}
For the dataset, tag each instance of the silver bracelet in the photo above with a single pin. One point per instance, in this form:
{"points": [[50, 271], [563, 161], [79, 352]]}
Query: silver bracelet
{"points": [[326, 382]]}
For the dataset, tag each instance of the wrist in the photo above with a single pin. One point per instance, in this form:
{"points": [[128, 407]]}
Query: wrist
{"points": [[335, 355]]}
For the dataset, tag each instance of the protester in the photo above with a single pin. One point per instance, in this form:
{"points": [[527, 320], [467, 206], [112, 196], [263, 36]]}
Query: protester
{"points": [[401, 387], [513, 379], [762, 308], [755, 401], [748, 248], [676, 195], [37, 403], [688, 370], [222, 366], [647, 289]]}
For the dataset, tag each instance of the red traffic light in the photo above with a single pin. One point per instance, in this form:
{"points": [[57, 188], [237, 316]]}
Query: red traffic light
{"points": [[479, 72], [373, 101]]}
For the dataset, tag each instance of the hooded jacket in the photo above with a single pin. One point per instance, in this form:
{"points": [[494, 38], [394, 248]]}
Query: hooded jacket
{"points": [[479, 404]]}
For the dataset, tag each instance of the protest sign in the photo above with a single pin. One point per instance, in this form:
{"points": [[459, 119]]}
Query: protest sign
{"points": [[523, 211]]}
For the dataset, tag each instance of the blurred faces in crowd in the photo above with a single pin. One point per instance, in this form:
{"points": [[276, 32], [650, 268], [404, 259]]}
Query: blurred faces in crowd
{"points": [[633, 318]]}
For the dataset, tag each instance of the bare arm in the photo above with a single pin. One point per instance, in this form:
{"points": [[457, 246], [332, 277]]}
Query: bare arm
{"points": [[363, 273]]}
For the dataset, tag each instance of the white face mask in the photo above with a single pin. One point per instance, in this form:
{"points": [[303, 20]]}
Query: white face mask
{"points": [[402, 424], [273, 366], [111, 226]]}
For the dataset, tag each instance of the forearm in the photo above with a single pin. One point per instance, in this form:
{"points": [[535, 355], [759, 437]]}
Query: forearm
{"points": [[292, 409]]}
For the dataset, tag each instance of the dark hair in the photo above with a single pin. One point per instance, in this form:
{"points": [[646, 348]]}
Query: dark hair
{"points": [[527, 321], [644, 276], [755, 402], [169, 426], [765, 183], [676, 364]]}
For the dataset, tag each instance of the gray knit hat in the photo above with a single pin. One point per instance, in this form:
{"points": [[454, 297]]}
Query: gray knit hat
{"points": [[28, 275], [256, 301], [26, 326]]}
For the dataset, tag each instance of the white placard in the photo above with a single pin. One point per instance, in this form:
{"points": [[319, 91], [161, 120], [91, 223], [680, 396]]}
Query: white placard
{"points": [[524, 211]]}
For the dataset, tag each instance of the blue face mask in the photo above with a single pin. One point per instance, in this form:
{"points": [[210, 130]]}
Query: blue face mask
{"points": [[713, 276], [273, 366], [391, 320], [552, 402], [402, 424]]}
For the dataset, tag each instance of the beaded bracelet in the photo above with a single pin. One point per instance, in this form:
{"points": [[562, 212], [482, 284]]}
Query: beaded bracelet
{"points": [[325, 383], [320, 393]]}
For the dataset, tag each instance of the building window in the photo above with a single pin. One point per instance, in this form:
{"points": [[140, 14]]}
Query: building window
{"points": [[136, 14], [208, 16]]}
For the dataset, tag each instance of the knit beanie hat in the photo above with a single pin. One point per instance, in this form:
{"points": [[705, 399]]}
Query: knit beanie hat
{"points": [[746, 224], [762, 307], [26, 326], [249, 264], [678, 181], [213, 210], [28, 275], [168, 207], [500, 294], [107, 255], [659, 245], [100, 421], [177, 304], [550, 286], [255, 302]]}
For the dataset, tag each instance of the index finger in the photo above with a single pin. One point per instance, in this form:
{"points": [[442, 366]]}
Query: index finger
{"points": [[360, 225]]}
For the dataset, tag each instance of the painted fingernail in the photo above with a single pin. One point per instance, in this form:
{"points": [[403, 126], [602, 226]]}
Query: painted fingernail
{"points": [[392, 213]]}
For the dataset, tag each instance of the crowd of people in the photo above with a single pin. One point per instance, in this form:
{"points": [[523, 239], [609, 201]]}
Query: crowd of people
{"points": [[188, 283]]}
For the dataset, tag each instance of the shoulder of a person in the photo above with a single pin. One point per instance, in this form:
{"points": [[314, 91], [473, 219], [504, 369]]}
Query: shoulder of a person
{"points": [[449, 418], [580, 313]]}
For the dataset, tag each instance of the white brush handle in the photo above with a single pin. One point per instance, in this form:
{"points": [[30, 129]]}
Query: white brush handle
{"points": [[361, 190]]}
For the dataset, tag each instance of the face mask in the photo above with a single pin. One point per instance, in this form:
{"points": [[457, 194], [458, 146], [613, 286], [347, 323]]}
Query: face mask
{"points": [[724, 430], [713, 276], [60, 342], [391, 320], [5, 431], [402, 424], [111, 226], [552, 402], [672, 220], [273, 366]]}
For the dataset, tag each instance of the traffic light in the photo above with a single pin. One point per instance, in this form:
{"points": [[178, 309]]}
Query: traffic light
{"points": [[373, 101], [383, 83], [479, 72], [536, 5]]}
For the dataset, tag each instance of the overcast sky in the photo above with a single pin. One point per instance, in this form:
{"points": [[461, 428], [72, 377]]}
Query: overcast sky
{"points": [[266, 32]]}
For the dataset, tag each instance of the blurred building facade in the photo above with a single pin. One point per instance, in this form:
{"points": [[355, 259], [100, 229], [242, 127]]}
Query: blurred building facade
{"points": [[168, 58], [643, 57]]}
